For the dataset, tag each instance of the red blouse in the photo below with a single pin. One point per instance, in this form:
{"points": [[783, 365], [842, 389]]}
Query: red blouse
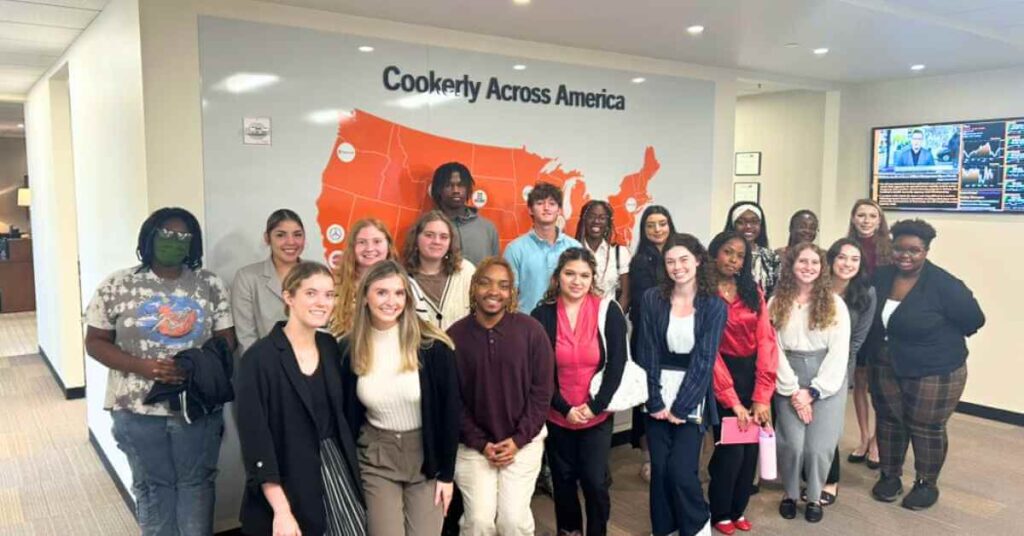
{"points": [[747, 333], [577, 356]]}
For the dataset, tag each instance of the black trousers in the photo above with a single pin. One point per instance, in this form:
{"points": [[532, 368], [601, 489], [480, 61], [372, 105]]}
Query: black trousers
{"points": [[677, 499], [579, 459], [732, 467]]}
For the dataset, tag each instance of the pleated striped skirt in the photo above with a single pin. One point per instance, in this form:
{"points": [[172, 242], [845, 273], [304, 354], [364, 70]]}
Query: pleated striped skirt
{"points": [[346, 516]]}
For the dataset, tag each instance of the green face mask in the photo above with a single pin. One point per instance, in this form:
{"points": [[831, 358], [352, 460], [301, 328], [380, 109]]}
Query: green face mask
{"points": [[170, 251]]}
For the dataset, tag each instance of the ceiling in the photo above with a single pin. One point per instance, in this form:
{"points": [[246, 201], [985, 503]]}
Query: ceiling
{"points": [[867, 39]]}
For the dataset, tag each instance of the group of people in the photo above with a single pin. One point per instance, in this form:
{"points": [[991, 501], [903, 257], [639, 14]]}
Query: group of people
{"points": [[422, 392]]}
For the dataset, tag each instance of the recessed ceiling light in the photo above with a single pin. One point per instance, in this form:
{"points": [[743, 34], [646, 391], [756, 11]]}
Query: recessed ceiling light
{"points": [[519, 67], [696, 29], [366, 48], [791, 45], [820, 51], [917, 67], [520, 2], [638, 80]]}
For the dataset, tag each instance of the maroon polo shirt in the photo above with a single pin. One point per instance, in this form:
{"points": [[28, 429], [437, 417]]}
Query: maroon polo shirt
{"points": [[506, 376]]}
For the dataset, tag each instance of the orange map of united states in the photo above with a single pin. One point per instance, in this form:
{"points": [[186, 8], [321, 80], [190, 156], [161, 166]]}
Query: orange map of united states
{"points": [[378, 168]]}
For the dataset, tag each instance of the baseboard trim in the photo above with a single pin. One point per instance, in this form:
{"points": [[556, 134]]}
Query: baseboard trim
{"points": [[125, 495], [69, 394], [990, 413]]}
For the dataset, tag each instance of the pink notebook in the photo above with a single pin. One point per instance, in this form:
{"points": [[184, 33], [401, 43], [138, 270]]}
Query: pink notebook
{"points": [[731, 434]]}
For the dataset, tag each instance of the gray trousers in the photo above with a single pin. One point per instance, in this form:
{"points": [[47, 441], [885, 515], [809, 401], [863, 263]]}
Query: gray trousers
{"points": [[807, 447]]}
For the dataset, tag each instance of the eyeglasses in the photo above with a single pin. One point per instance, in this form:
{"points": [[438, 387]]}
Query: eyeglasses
{"points": [[174, 235], [913, 252]]}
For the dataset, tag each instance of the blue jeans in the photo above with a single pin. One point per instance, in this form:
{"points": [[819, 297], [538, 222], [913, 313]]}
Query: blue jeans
{"points": [[174, 467]]}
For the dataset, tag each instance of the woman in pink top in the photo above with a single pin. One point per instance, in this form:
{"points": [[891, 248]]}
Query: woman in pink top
{"points": [[588, 334]]}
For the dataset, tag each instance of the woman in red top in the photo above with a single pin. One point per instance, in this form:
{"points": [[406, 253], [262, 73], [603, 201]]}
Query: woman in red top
{"points": [[588, 334], [744, 379]]}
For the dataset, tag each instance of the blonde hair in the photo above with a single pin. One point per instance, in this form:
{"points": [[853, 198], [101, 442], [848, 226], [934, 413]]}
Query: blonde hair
{"points": [[484, 265], [823, 306], [345, 280], [413, 332], [299, 273], [883, 243]]}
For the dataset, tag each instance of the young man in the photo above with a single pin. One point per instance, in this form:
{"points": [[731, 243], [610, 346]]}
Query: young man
{"points": [[534, 255], [451, 187], [506, 376]]}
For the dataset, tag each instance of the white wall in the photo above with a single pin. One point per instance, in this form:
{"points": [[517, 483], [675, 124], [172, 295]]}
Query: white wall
{"points": [[788, 129], [982, 250], [12, 177]]}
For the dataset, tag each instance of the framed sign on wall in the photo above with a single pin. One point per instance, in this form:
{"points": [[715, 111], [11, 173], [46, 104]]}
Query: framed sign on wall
{"points": [[748, 164], [746, 191]]}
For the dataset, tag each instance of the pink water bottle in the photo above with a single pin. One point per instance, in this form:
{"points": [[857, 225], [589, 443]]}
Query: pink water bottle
{"points": [[766, 442]]}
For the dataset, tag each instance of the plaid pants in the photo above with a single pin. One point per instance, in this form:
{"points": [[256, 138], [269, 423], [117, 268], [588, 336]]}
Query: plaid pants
{"points": [[913, 410]]}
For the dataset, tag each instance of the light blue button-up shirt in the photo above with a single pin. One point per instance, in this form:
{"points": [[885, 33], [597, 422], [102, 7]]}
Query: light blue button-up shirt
{"points": [[533, 260]]}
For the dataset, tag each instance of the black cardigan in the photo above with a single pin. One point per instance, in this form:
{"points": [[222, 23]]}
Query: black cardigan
{"points": [[278, 431], [613, 343], [926, 332], [440, 404]]}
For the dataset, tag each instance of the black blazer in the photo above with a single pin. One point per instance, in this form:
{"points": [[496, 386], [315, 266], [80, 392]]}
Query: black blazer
{"points": [[926, 332], [278, 431], [440, 404], [612, 343]]}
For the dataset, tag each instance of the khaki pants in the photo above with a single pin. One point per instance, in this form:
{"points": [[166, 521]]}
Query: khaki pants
{"points": [[399, 499], [498, 500]]}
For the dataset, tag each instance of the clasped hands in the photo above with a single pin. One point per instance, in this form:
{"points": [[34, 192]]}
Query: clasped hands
{"points": [[802, 402], [758, 414], [502, 453]]}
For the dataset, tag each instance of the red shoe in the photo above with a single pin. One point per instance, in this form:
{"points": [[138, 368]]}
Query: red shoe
{"points": [[725, 527], [743, 524]]}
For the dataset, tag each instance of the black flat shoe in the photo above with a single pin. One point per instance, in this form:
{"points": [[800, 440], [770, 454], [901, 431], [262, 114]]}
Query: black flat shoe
{"points": [[813, 513], [787, 509], [828, 498], [857, 458], [872, 464], [887, 489]]}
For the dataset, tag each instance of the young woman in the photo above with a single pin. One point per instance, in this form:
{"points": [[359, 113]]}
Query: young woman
{"points": [[596, 230], [440, 276], [869, 228], [137, 321], [300, 460], [369, 242], [919, 362], [747, 219], [744, 379], [681, 325], [803, 227], [402, 401], [849, 281], [256, 300], [655, 228], [588, 334], [813, 331]]}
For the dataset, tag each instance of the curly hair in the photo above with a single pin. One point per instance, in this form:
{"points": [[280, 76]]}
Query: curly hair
{"points": [[144, 248], [915, 227], [544, 190], [746, 286], [481, 268], [345, 279], [452, 261], [567, 256], [823, 306], [857, 295], [705, 285], [883, 244]]}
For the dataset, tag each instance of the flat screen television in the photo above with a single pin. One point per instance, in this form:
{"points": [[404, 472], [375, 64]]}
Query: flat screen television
{"points": [[972, 166]]}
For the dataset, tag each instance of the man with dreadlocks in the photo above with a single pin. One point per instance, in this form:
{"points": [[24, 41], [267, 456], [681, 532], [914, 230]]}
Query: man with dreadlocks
{"points": [[451, 187], [596, 231]]}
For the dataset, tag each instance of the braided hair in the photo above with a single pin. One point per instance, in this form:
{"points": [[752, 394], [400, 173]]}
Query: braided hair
{"points": [[581, 225]]}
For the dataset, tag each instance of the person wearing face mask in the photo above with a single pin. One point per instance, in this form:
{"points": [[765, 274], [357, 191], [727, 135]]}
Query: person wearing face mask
{"points": [[368, 243], [256, 301], [747, 219], [506, 370], [919, 362], [870, 230], [440, 276], [813, 331], [595, 231], [850, 282], [803, 227], [451, 187], [644, 269], [297, 446], [402, 402], [138, 319], [744, 379], [680, 329], [588, 334]]}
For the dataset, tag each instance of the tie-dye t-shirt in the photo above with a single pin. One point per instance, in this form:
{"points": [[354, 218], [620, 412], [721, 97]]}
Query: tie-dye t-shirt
{"points": [[152, 318]]}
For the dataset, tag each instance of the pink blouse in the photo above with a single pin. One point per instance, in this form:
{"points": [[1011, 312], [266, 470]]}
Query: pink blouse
{"points": [[577, 356]]}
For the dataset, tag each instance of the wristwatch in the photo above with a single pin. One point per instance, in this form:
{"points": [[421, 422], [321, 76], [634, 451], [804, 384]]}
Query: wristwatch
{"points": [[815, 394]]}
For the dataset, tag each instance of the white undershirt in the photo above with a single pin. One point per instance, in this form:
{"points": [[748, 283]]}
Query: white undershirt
{"points": [[391, 397], [887, 310], [680, 333]]}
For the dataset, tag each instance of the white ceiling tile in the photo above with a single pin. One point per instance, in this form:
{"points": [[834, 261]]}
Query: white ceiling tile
{"points": [[45, 15], [46, 35], [1008, 15], [31, 47], [26, 59], [94, 5]]}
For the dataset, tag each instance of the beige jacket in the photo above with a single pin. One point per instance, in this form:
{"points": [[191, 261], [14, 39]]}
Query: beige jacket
{"points": [[256, 302]]}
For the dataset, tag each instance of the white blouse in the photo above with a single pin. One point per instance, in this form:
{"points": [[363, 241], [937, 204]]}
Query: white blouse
{"points": [[795, 335], [680, 336], [887, 310], [607, 276], [391, 397]]}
